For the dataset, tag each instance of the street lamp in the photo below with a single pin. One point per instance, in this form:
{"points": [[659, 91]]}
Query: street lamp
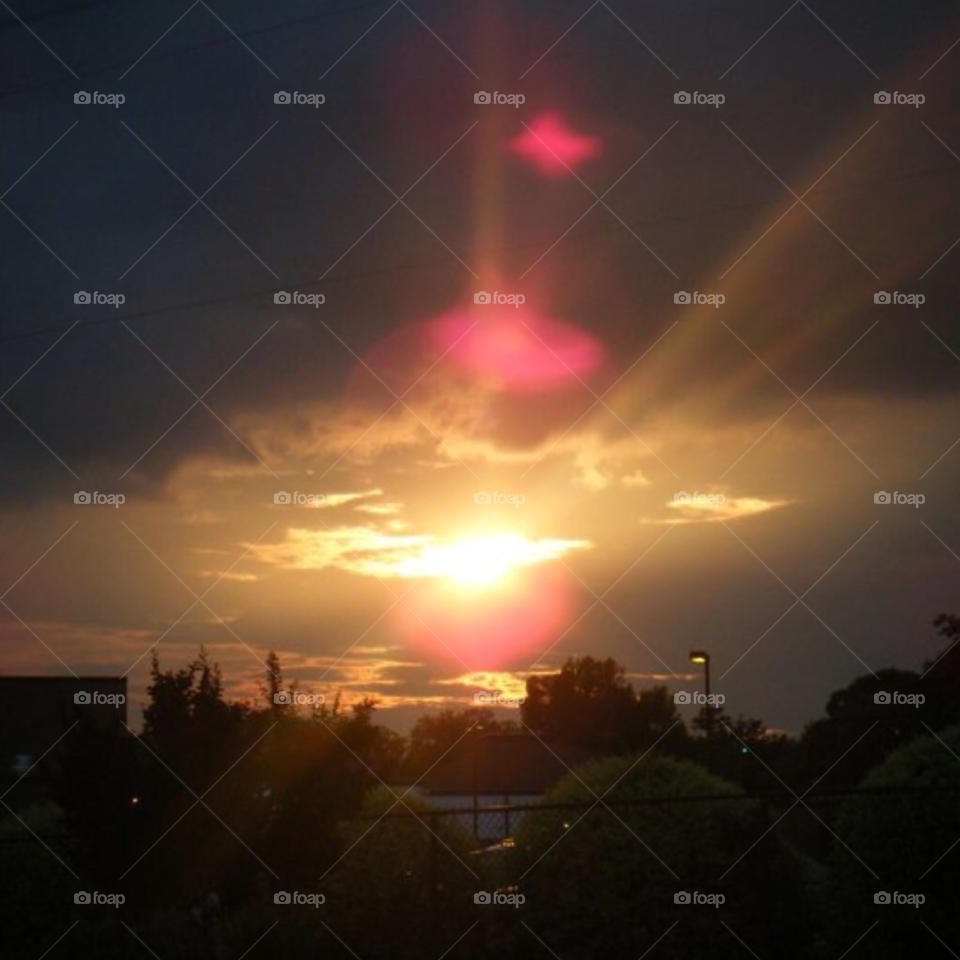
{"points": [[701, 656]]}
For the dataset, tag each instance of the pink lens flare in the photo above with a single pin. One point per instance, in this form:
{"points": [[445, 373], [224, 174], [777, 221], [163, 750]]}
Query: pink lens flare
{"points": [[552, 147], [515, 349], [488, 629]]}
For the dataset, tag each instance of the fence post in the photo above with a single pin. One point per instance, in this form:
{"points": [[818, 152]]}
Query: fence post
{"points": [[433, 873]]}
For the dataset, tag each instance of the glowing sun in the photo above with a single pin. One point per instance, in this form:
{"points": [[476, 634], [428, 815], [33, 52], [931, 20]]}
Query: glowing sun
{"points": [[483, 560]]}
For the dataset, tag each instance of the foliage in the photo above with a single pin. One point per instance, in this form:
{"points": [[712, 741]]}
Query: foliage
{"points": [[907, 839], [411, 871], [433, 735], [590, 703], [603, 880]]}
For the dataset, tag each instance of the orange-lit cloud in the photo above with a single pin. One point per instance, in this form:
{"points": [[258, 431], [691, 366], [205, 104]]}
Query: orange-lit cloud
{"points": [[370, 552]]}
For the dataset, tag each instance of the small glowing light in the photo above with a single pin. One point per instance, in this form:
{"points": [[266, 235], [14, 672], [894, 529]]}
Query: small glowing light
{"points": [[552, 147]]}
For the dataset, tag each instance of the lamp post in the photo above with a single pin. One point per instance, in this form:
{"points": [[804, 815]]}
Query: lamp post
{"points": [[701, 656]]}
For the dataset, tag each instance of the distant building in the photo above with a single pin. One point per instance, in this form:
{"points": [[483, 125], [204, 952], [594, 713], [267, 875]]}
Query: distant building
{"points": [[36, 712], [502, 765], [498, 769]]}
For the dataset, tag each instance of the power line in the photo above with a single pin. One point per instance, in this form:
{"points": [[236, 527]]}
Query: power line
{"points": [[13, 24], [434, 264], [119, 65]]}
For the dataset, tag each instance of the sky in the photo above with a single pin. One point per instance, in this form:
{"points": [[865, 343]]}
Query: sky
{"points": [[431, 344]]}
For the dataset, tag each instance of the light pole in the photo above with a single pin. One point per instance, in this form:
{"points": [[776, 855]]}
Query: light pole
{"points": [[701, 656]]}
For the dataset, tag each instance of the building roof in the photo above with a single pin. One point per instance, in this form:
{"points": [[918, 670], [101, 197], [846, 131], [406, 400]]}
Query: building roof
{"points": [[35, 712], [508, 764]]}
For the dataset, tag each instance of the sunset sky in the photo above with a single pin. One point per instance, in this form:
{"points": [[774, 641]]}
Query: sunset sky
{"points": [[596, 401]]}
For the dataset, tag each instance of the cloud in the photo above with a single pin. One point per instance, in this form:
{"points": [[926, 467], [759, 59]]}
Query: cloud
{"points": [[636, 479], [380, 509], [711, 508], [370, 552], [339, 499]]}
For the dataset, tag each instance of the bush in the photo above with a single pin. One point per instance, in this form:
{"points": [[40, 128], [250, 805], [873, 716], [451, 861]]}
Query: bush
{"points": [[36, 892], [400, 890], [594, 886], [900, 836]]}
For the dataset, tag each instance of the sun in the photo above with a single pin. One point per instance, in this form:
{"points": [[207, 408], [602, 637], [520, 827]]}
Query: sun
{"points": [[481, 561]]}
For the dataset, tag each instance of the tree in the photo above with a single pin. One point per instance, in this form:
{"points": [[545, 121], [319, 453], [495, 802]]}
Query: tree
{"points": [[590, 703], [433, 735], [218, 796], [858, 732]]}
